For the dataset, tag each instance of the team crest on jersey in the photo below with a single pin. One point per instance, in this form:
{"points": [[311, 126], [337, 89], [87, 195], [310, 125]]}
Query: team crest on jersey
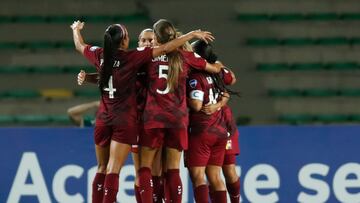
{"points": [[93, 48], [193, 83]]}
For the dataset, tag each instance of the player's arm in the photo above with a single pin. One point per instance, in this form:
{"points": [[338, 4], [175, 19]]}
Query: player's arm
{"points": [[76, 113], [87, 77], [195, 104], [212, 108], [228, 76], [214, 67], [180, 41], [76, 27]]}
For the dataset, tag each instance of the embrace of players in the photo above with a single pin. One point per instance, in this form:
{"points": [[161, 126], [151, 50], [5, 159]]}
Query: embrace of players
{"points": [[146, 94]]}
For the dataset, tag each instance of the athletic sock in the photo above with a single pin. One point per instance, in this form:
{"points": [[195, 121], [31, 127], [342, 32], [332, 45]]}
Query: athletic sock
{"points": [[158, 189], [201, 194], [166, 189], [146, 185], [234, 191], [98, 188], [174, 184], [220, 197], [137, 193], [111, 187], [212, 194]]}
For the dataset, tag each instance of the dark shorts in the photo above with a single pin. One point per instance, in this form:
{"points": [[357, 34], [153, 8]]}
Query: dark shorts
{"points": [[205, 150], [229, 159], [104, 134], [167, 137]]}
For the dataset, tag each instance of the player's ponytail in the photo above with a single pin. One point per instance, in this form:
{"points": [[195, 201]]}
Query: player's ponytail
{"points": [[113, 37], [165, 32]]}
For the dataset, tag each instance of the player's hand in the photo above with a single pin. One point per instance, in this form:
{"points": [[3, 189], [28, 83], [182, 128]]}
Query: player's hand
{"points": [[77, 25], [203, 35], [210, 108], [81, 77]]}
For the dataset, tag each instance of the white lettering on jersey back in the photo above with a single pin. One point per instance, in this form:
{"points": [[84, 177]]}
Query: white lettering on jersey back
{"points": [[162, 58], [116, 64], [209, 79]]}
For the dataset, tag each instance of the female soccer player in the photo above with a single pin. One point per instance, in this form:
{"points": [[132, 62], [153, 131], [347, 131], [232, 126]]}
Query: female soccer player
{"points": [[116, 120], [165, 115], [145, 39], [207, 131], [226, 77]]}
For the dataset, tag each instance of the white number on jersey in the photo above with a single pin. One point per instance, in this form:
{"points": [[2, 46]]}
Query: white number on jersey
{"points": [[110, 88], [163, 68], [212, 97]]}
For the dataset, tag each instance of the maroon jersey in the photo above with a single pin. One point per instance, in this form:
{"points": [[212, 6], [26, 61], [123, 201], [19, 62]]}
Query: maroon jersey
{"points": [[141, 84], [201, 87], [118, 100], [166, 109]]}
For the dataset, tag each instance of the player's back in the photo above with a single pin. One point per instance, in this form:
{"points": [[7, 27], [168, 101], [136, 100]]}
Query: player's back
{"points": [[165, 108], [118, 97], [201, 86]]}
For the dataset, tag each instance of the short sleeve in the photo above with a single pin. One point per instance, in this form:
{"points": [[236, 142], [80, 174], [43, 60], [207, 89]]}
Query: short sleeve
{"points": [[194, 60], [93, 55], [226, 76], [195, 88]]}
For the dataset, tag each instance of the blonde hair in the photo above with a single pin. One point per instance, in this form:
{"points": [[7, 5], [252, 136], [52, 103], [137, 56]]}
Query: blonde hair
{"points": [[187, 46], [165, 32]]}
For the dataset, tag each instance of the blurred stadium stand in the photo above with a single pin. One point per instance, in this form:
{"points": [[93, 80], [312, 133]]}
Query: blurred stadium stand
{"points": [[297, 62]]}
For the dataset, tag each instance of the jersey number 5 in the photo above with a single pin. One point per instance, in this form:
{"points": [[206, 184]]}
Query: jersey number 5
{"points": [[163, 68]]}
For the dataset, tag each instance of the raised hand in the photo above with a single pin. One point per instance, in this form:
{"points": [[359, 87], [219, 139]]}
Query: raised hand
{"points": [[77, 25], [203, 35]]}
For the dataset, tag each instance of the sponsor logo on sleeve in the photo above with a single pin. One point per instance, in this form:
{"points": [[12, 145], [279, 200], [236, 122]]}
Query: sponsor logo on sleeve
{"points": [[93, 48], [140, 48], [197, 55]]}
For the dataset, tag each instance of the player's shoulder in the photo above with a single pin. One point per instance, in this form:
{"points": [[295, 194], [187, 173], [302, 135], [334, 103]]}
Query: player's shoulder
{"points": [[138, 50], [189, 54]]}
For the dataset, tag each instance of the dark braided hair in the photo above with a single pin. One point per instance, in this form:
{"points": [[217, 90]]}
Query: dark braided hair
{"points": [[206, 51]]}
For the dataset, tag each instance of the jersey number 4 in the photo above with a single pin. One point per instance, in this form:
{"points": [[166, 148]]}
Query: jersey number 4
{"points": [[162, 69], [110, 88]]}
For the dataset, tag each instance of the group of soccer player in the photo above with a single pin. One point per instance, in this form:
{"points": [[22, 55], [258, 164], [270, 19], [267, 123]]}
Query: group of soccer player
{"points": [[145, 96]]}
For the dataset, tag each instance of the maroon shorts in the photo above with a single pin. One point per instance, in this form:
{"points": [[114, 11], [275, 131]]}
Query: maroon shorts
{"points": [[104, 134], [168, 137], [205, 150], [232, 145], [229, 159]]}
